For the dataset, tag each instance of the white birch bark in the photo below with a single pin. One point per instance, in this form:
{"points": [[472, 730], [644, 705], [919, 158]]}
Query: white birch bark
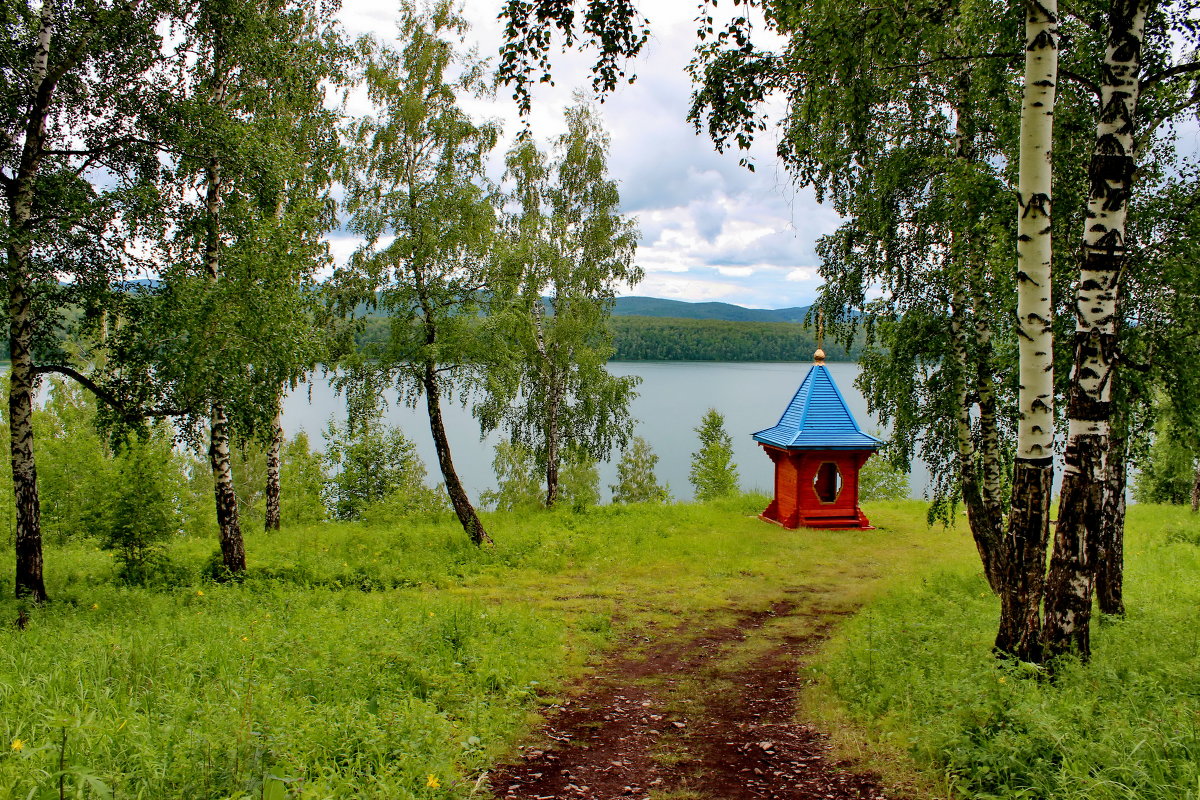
{"points": [[1035, 433], [1029, 518], [1078, 539]]}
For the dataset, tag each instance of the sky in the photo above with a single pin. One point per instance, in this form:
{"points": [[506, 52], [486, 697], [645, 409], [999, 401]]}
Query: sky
{"points": [[710, 229]]}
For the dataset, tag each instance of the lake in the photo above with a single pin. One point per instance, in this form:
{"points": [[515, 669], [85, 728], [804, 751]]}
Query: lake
{"points": [[672, 398]]}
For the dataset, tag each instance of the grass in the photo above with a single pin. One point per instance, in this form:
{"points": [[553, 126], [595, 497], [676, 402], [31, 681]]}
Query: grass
{"points": [[383, 662], [359, 661], [914, 670]]}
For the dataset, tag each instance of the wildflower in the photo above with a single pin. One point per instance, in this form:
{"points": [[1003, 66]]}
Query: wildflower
{"points": [[199, 593], [432, 782], [18, 746], [431, 613], [95, 606], [1003, 679], [245, 638]]}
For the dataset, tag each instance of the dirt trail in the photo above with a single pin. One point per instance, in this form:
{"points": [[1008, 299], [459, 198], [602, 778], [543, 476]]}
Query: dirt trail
{"points": [[710, 717]]}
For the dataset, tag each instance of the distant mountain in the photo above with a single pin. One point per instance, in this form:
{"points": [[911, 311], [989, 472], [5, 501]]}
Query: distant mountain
{"points": [[678, 309]]}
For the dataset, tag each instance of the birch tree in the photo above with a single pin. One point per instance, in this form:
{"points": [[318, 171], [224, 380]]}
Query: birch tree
{"points": [[568, 252], [250, 146], [417, 191], [1033, 469], [78, 81], [1089, 409]]}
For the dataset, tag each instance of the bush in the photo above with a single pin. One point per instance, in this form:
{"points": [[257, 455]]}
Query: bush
{"points": [[1169, 472], [578, 480], [880, 481], [713, 472], [372, 462], [636, 482], [519, 479], [141, 514], [518, 484]]}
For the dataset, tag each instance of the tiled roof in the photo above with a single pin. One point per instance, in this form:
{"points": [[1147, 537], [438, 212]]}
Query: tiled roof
{"points": [[818, 419]]}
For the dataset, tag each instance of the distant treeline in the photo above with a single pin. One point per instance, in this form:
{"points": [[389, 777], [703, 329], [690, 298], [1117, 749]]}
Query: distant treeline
{"points": [[674, 339], [669, 339]]}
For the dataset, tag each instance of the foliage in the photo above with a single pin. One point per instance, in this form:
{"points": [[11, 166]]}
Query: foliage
{"points": [[519, 485], [580, 479], [713, 473], [671, 339], [915, 668], [614, 28], [371, 463], [879, 480], [566, 250], [636, 482], [302, 483], [142, 514], [1168, 472], [77, 474]]}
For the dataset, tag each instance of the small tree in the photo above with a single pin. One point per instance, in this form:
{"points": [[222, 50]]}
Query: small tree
{"points": [[371, 463], [636, 482], [142, 513], [579, 481], [519, 485], [880, 480], [517, 481], [713, 472]]}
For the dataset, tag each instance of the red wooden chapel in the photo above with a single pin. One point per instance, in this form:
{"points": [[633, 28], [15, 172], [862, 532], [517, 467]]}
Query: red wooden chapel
{"points": [[818, 450]]}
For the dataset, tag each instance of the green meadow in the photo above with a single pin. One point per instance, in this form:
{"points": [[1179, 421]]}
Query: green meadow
{"points": [[401, 662]]}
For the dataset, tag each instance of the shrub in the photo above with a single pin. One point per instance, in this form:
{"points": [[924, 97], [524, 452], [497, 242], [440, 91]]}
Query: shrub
{"points": [[518, 484], [372, 462], [141, 514], [879, 480], [636, 482], [713, 472]]}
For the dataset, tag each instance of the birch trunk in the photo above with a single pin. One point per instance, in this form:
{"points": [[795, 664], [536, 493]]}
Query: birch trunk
{"points": [[233, 549], [29, 580], [272, 520], [1196, 490], [1029, 520], [1110, 560], [552, 446], [984, 530], [463, 509], [1072, 569]]}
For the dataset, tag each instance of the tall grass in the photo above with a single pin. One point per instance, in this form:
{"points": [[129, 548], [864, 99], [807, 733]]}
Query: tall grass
{"points": [[915, 668], [373, 661]]}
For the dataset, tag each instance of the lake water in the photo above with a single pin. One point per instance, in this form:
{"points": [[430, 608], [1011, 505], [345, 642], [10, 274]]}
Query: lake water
{"points": [[672, 398]]}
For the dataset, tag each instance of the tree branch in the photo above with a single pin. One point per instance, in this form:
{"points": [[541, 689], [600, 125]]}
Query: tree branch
{"points": [[940, 59], [1178, 69], [1086, 83], [103, 394]]}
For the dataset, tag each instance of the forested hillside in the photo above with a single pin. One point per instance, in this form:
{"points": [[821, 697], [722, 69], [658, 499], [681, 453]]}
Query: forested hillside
{"points": [[671, 339], [665, 339], [678, 309]]}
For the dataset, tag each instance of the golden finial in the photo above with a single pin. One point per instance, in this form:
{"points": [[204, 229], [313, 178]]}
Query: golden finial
{"points": [[819, 355]]}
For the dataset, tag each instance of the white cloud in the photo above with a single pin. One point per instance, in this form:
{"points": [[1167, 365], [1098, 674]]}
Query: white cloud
{"points": [[802, 274], [710, 228]]}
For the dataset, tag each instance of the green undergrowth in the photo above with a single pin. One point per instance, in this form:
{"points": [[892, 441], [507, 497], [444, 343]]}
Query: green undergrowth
{"points": [[914, 668], [382, 661]]}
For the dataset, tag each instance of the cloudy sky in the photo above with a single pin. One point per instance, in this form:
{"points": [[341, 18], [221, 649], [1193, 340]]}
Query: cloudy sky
{"points": [[711, 230]]}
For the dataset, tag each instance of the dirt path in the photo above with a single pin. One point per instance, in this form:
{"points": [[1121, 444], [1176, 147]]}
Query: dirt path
{"points": [[700, 717]]}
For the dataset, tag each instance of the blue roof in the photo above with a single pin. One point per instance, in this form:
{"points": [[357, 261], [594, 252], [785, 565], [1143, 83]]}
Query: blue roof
{"points": [[818, 419]]}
